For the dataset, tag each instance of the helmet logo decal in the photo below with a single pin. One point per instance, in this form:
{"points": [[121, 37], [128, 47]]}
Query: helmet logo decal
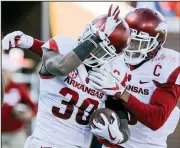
{"points": [[162, 27], [73, 74]]}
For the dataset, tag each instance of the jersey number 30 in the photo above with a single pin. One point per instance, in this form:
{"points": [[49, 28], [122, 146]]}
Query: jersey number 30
{"points": [[86, 108]]}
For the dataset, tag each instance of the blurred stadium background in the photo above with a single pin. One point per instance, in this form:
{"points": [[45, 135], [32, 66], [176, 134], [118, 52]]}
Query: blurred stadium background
{"points": [[43, 20]]}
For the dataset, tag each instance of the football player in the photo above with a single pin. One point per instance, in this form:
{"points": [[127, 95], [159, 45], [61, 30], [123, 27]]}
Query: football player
{"points": [[153, 87], [66, 98]]}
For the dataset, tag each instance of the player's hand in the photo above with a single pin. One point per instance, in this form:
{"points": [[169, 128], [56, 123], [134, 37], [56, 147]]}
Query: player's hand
{"points": [[108, 130], [110, 24], [105, 82], [112, 20], [17, 39]]}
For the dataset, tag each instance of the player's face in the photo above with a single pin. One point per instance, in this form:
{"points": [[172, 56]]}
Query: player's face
{"points": [[135, 49], [141, 44]]}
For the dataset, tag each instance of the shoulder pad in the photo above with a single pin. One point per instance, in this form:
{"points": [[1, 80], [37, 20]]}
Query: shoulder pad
{"points": [[60, 44], [167, 66]]}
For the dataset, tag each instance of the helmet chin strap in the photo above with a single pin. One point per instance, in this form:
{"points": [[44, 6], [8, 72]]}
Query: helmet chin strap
{"points": [[93, 63]]}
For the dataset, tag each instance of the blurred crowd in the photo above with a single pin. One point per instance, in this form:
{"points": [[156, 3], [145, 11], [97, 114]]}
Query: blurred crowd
{"points": [[18, 108], [20, 81], [168, 9]]}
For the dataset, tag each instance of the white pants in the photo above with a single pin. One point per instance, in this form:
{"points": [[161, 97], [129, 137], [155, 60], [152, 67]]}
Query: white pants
{"points": [[33, 142], [13, 139]]}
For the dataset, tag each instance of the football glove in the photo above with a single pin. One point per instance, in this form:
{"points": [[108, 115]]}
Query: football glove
{"points": [[17, 39], [110, 24], [108, 131], [105, 82], [112, 20]]}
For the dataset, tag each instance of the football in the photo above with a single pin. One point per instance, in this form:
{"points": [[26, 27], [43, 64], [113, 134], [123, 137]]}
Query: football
{"points": [[107, 112]]}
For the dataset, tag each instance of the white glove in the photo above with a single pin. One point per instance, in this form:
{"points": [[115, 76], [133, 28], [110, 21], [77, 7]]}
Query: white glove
{"points": [[105, 82], [17, 39], [112, 21], [108, 131], [110, 24]]}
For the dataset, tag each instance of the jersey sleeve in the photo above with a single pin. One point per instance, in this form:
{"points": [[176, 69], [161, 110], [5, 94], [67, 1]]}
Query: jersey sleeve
{"points": [[178, 80], [36, 48], [155, 114], [174, 77], [62, 45]]}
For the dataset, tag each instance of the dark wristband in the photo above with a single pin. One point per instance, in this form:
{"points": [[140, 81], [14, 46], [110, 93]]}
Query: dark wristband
{"points": [[122, 114], [84, 49], [126, 136]]}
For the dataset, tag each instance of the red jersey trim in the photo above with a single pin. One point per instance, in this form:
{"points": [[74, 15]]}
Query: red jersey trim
{"points": [[53, 45], [173, 76], [123, 83], [47, 77], [36, 47]]}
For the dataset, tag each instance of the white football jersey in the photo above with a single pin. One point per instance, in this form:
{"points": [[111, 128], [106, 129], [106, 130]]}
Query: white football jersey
{"points": [[164, 68], [66, 102]]}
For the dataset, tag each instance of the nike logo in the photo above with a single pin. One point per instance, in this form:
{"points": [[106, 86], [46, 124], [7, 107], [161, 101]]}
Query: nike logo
{"points": [[143, 82], [113, 88], [111, 137]]}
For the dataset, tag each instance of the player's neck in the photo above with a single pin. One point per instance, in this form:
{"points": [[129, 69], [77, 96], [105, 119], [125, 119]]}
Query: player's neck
{"points": [[88, 68], [133, 67]]}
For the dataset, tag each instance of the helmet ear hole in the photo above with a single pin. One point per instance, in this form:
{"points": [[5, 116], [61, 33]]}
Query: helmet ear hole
{"points": [[155, 13]]}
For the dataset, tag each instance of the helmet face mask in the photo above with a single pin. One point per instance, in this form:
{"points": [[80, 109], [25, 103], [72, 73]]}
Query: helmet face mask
{"points": [[99, 55], [149, 30], [141, 44], [110, 47]]}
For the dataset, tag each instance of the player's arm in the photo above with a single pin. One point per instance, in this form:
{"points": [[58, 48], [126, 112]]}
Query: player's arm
{"points": [[162, 101], [58, 64], [155, 114], [21, 40]]}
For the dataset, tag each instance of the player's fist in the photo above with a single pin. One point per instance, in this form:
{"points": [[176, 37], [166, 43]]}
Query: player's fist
{"points": [[17, 39], [105, 125]]}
